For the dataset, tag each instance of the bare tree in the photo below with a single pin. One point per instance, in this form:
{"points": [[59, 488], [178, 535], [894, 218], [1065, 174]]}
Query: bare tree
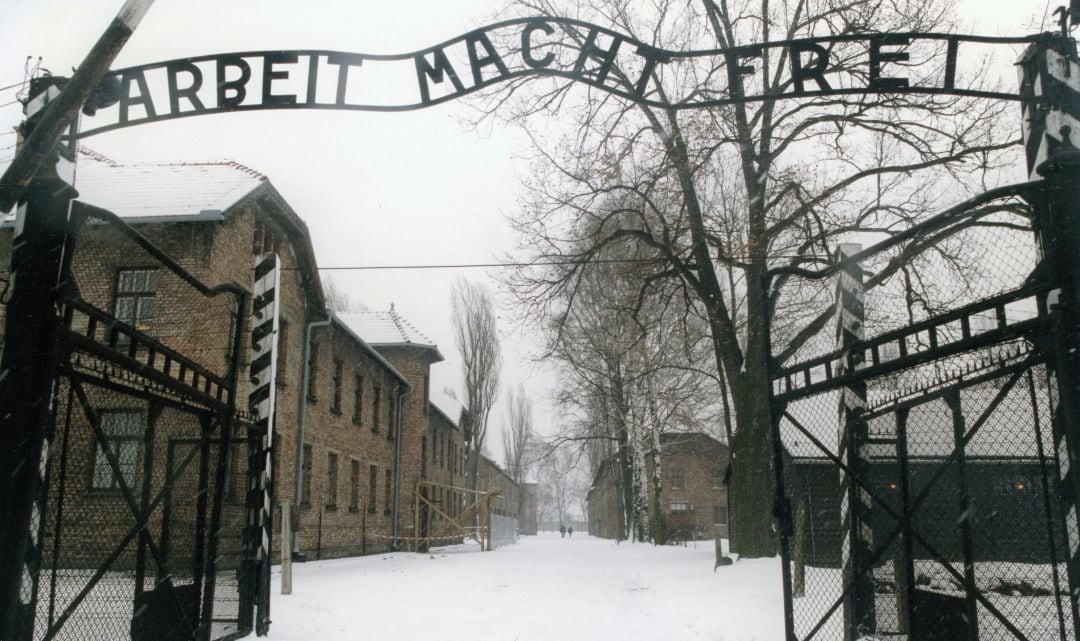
{"points": [[477, 339], [337, 299], [717, 197], [629, 374], [560, 482], [518, 435]]}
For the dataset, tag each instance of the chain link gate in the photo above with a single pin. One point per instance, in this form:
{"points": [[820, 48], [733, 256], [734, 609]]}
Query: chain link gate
{"points": [[146, 524], [922, 451]]}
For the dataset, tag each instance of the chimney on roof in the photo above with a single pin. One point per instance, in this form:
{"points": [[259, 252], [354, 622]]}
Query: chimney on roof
{"points": [[391, 306]]}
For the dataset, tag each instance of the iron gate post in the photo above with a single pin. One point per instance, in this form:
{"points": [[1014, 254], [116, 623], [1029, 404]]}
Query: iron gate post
{"points": [[782, 504], [1057, 229], [856, 549], [26, 379]]}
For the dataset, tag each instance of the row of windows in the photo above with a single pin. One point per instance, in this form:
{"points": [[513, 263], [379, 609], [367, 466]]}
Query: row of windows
{"points": [[720, 513], [449, 501], [354, 486], [445, 449], [337, 383], [135, 305]]}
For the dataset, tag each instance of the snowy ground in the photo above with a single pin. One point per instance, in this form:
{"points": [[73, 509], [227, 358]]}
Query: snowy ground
{"points": [[542, 589]]}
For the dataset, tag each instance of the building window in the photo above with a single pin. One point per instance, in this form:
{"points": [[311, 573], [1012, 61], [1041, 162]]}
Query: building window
{"points": [[718, 477], [376, 398], [235, 324], [358, 399], [427, 394], [331, 480], [719, 515], [283, 351], [305, 493], [373, 482], [423, 457], [335, 386], [389, 492], [135, 290], [122, 430], [680, 507], [678, 478], [390, 416], [313, 370], [354, 485]]}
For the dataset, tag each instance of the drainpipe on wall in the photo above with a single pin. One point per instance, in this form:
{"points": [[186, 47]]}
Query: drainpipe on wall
{"points": [[401, 389], [303, 421]]}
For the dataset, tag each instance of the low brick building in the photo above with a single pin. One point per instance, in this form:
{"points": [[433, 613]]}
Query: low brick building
{"points": [[350, 431], [412, 353], [443, 464], [693, 497]]}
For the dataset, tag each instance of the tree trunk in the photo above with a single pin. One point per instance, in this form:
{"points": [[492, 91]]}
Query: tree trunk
{"points": [[752, 474]]}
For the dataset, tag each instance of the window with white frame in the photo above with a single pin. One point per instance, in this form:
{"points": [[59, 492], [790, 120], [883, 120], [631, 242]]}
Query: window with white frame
{"points": [[135, 291], [122, 430], [680, 507]]}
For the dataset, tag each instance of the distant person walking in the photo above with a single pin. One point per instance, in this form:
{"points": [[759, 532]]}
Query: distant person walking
{"points": [[570, 531], [562, 531]]}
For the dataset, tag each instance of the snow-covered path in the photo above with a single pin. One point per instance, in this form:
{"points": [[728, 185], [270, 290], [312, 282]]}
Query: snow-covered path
{"points": [[542, 589]]}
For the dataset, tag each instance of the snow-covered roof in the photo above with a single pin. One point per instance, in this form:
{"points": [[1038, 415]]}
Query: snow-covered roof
{"points": [[388, 329], [156, 192], [368, 349], [448, 406]]}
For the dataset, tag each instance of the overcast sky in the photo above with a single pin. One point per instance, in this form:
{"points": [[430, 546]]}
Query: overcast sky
{"points": [[374, 188]]}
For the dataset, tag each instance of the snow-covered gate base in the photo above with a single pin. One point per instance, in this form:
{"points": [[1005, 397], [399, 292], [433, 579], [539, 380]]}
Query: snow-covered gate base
{"points": [[924, 446]]}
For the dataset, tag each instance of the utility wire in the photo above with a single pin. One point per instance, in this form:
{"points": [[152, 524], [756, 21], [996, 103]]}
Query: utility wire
{"points": [[17, 84], [481, 265]]}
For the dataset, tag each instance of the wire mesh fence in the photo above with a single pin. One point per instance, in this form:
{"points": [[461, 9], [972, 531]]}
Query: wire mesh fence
{"points": [[142, 531], [917, 430]]}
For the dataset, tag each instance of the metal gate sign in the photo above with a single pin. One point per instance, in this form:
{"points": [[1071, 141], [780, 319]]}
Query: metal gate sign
{"points": [[542, 46]]}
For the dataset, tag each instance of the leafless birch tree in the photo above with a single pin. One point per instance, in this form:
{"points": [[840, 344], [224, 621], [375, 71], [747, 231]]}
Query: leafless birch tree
{"points": [[518, 435], [477, 340]]}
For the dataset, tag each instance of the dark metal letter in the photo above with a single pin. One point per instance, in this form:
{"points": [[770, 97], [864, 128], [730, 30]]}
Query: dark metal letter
{"points": [[491, 58], [606, 57], [736, 70], [191, 92], [424, 70], [526, 44], [312, 77], [270, 75], [652, 57], [344, 61], [815, 72], [950, 63], [238, 85], [143, 98], [877, 57]]}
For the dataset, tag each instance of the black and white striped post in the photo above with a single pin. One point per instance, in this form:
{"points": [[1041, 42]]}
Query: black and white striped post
{"points": [[1050, 78], [261, 401], [856, 550], [28, 368]]}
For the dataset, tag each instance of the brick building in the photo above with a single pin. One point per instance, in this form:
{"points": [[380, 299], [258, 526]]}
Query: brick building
{"points": [[443, 450], [211, 218], [693, 497], [350, 431], [362, 430]]}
